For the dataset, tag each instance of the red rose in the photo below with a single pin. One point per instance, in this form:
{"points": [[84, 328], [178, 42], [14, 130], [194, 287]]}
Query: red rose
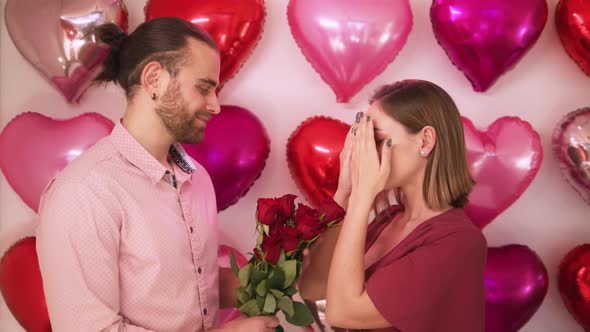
{"points": [[287, 203], [290, 238], [307, 222], [267, 210], [271, 246], [332, 211], [275, 210]]}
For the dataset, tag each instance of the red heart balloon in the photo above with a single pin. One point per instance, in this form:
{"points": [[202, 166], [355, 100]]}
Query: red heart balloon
{"points": [[504, 160], [574, 284], [22, 286], [34, 148], [313, 157], [236, 25], [572, 19]]}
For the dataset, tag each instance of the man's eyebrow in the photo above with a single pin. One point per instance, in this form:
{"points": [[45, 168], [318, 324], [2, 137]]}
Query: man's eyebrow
{"points": [[211, 82]]}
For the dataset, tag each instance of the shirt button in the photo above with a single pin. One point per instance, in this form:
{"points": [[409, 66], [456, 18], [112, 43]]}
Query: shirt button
{"points": [[191, 228], [205, 311], [199, 270]]}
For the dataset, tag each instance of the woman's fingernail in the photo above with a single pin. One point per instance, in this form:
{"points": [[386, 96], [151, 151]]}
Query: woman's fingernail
{"points": [[389, 142], [368, 118], [358, 117], [354, 131]]}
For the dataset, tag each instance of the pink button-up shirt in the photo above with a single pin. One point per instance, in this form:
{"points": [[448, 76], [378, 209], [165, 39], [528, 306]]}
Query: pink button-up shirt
{"points": [[121, 249]]}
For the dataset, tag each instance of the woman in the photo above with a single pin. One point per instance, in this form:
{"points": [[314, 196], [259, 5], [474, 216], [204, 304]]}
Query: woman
{"points": [[419, 266]]}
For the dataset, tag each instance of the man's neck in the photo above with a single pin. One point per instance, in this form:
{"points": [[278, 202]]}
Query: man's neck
{"points": [[149, 131]]}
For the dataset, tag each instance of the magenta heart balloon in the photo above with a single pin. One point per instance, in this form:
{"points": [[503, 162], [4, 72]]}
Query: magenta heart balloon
{"points": [[485, 38], [233, 163], [56, 37], [571, 147], [516, 283], [34, 148], [504, 160], [349, 42]]}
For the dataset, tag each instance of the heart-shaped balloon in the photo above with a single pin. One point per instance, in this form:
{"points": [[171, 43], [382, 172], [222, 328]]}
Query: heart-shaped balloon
{"points": [[56, 37], [233, 164], [236, 25], [516, 283], [22, 286], [572, 19], [229, 314], [574, 284], [349, 42], [484, 39], [34, 148], [504, 160], [313, 157], [571, 147]]}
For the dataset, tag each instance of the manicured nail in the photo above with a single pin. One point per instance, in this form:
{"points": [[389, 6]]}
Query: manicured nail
{"points": [[358, 117], [354, 131], [368, 118], [389, 142]]}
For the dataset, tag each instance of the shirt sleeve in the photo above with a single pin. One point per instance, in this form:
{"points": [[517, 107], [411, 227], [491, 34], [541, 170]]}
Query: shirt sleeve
{"points": [[413, 288], [78, 247]]}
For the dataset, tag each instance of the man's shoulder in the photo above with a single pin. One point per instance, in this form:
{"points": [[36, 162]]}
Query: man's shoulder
{"points": [[90, 164]]}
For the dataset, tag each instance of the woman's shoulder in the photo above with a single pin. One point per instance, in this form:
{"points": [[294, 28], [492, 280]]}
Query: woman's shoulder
{"points": [[454, 226]]}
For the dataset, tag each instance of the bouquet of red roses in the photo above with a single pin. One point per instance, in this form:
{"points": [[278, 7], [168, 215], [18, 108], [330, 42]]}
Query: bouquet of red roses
{"points": [[267, 282]]}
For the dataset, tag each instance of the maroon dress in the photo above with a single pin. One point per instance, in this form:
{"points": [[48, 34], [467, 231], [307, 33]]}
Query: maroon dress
{"points": [[433, 280]]}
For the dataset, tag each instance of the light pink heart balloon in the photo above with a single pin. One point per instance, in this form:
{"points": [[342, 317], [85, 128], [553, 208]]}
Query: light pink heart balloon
{"points": [[349, 42], [504, 160], [57, 38], [34, 148]]}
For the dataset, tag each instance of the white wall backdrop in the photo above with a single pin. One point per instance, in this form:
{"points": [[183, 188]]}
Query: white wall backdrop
{"points": [[282, 89]]}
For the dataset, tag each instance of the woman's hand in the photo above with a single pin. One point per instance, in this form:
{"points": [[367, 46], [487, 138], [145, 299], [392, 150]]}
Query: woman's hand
{"points": [[369, 175], [344, 180]]}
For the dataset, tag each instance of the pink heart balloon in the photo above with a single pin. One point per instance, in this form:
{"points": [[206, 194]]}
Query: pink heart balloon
{"points": [[349, 42], [504, 160], [56, 37], [34, 148], [229, 314], [571, 147], [484, 39], [516, 283], [233, 164]]}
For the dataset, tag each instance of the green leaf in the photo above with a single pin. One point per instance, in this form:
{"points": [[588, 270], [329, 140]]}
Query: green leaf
{"points": [[282, 257], [277, 278], [250, 308], [277, 293], [232, 261], [266, 229], [290, 269], [257, 276], [260, 302], [302, 316], [291, 290], [270, 304], [243, 296], [286, 305], [250, 290], [262, 289], [244, 275]]}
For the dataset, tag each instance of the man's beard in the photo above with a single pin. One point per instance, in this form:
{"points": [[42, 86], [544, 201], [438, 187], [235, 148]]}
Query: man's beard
{"points": [[180, 123]]}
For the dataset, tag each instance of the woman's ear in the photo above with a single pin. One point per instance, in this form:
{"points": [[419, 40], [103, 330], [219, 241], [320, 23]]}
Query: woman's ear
{"points": [[428, 134]]}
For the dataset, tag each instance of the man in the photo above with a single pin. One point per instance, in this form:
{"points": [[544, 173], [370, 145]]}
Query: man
{"points": [[127, 239]]}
